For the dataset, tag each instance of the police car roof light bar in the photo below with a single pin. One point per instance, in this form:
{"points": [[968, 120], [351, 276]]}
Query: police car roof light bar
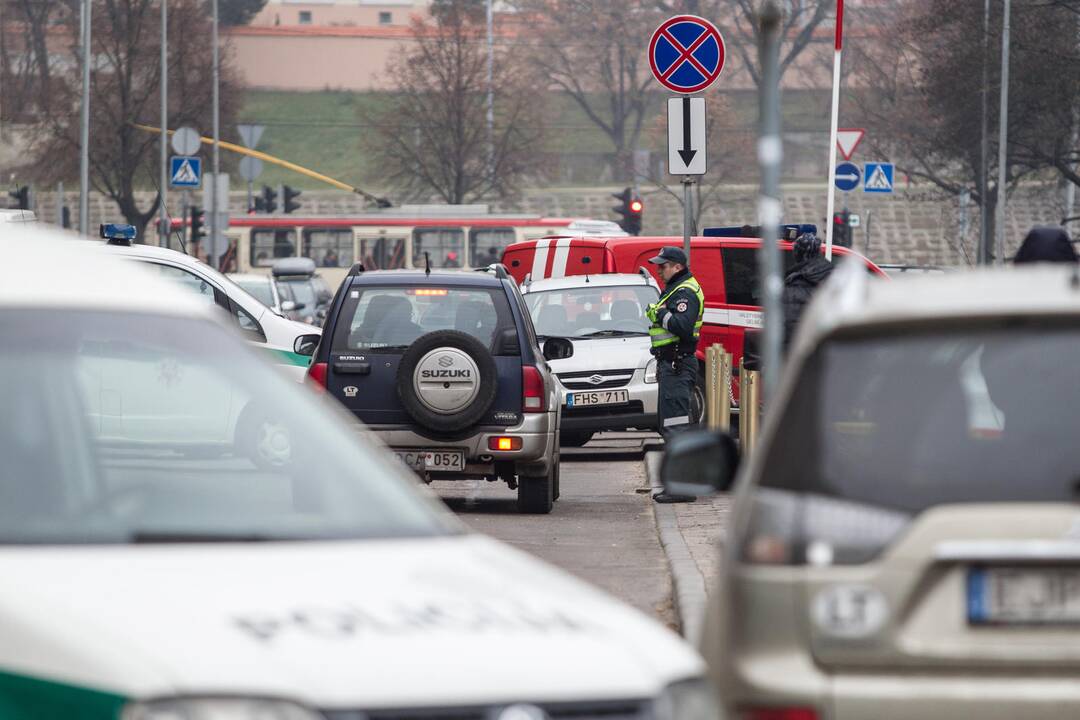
{"points": [[117, 233], [789, 232]]}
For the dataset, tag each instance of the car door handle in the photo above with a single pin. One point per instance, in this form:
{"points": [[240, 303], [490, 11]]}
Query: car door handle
{"points": [[352, 368]]}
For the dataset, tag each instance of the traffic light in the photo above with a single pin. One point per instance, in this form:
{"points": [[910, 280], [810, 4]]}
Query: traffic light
{"points": [[631, 209], [842, 229], [197, 222], [268, 202], [21, 195], [288, 199]]}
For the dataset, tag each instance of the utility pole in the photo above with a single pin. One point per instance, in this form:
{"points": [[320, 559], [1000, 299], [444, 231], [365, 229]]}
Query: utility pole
{"points": [[163, 213], [834, 126], [214, 230], [84, 130], [983, 254], [491, 86], [1003, 137], [770, 154]]}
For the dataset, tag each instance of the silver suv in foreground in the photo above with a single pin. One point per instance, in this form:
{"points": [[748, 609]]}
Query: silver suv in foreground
{"points": [[906, 539]]}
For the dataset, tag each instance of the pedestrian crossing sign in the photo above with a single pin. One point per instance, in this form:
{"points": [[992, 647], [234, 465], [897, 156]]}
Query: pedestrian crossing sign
{"points": [[185, 171], [879, 178]]}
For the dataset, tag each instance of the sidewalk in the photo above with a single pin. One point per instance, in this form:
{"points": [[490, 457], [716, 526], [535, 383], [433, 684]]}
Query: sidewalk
{"points": [[689, 533]]}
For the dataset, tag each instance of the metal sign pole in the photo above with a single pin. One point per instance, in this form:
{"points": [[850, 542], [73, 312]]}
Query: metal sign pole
{"points": [[686, 183], [1003, 141], [84, 130], [834, 127], [214, 230], [163, 213]]}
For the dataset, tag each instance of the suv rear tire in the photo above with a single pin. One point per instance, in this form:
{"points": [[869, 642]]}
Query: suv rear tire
{"points": [[473, 412], [536, 494]]}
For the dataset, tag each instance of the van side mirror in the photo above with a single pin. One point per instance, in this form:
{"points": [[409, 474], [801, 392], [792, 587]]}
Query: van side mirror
{"points": [[558, 348], [306, 344], [699, 463]]}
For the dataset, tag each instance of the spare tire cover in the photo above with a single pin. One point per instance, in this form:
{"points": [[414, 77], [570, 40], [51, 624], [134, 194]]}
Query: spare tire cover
{"points": [[447, 380]]}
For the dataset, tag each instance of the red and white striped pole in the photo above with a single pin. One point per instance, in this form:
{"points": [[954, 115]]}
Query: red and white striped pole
{"points": [[834, 127]]}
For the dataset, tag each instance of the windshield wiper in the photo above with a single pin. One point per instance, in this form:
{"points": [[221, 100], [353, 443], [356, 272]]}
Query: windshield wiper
{"points": [[613, 333], [165, 537]]}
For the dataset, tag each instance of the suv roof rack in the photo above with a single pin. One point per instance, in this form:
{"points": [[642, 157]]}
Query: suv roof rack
{"points": [[498, 268]]}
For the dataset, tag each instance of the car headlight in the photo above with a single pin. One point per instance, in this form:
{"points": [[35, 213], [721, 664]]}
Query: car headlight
{"points": [[688, 700], [217, 709], [650, 372]]}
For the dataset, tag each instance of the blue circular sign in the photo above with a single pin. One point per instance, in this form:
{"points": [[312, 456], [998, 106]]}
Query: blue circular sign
{"points": [[848, 176], [686, 54]]}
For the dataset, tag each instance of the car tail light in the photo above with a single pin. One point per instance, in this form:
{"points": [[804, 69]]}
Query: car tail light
{"points": [[504, 443], [316, 376], [790, 528], [532, 390], [778, 713]]}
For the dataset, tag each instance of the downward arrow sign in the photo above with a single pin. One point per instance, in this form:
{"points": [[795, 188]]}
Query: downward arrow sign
{"points": [[687, 154]]}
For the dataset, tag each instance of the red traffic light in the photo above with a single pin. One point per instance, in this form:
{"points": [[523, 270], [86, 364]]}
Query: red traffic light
{"points": [[636, 206]]}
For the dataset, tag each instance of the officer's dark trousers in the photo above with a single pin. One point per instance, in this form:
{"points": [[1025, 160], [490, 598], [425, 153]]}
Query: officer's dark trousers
{"points": [[676, 387]]}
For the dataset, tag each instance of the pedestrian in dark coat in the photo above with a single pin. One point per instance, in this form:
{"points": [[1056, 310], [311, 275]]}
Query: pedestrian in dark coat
{"points": [[810, 270], [1046, 244]]}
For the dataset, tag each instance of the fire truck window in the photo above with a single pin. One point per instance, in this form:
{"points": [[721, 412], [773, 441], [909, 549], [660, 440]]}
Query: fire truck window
{"points": [[486, 245], [269, 244], [382, 253], [741, 274], [445, 245], [329, 247]]}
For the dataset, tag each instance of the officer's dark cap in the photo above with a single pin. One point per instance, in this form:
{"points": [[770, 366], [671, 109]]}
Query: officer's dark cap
{"points": [[670, 254]]}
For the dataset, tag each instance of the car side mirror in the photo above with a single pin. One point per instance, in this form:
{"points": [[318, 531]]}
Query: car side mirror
{"points": [[288, 306], [325, 298], [306, 344], [557, 348], [699, 463]]}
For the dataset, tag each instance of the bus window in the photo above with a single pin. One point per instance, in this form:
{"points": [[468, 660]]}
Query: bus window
{"points": [[486, 245], [329, 247], [382, 253], [269, 244], [446, 246]]}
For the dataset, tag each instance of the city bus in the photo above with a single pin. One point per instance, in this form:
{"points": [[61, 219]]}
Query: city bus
{"points": [[461, 236]]}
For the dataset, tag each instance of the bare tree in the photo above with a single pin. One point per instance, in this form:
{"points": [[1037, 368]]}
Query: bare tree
{"points": [[595, 52], [735, 18], [125, 92], [432, 134]]}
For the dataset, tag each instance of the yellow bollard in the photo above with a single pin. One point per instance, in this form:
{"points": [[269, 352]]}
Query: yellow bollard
{"points": [[750, 404], [723, 391], [717, 388]]}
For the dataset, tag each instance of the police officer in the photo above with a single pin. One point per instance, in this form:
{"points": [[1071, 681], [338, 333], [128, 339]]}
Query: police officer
{"points": [[676, 326]]}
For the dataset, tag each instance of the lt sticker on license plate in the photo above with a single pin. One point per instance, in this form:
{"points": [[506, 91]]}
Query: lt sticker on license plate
{"points": [[597, 397], [433, 460]]}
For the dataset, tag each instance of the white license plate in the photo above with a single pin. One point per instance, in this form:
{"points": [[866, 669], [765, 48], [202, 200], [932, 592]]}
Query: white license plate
{"points": [[1023, 595], [597, 397], [433, 460]]}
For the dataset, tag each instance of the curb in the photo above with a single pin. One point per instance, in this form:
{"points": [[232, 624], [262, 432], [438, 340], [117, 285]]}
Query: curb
{"points": [[689, 583]]}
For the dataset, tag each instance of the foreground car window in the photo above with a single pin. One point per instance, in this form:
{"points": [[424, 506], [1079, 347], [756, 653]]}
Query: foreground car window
{"points": [[906, 422], [119, 428], [596, 312]]}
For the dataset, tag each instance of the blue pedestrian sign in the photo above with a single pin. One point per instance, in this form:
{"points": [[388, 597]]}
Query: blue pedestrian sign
{"points": [[185, 171], [879, 178], [847, 176], [686, 54]]}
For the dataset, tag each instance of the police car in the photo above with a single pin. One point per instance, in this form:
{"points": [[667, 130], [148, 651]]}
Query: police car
{"points": [[142, 583], [288, 343], [609, 383]]}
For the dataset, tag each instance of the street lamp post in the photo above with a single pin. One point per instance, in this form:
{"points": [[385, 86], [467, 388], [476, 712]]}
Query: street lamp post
{"points": [[84, 129], [1003, 137], [163, 224]]}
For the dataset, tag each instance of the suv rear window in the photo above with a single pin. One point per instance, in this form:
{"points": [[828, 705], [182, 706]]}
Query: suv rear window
{"points": [[957, 415], [389, 319]]}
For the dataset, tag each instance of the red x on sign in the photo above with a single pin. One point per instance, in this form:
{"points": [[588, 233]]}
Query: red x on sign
{"points": [[686, 54]]}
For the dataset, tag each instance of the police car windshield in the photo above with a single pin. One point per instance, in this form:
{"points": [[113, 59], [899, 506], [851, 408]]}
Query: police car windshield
{"points": [[591, 312], [121, 429]]}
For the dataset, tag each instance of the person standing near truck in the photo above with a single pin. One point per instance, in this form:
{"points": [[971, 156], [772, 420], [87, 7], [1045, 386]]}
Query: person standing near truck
{"points": [[676, 326]]}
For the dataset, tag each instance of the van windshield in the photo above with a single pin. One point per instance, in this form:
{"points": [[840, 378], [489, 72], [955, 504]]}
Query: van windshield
{"points": [[910, 421], [591, 312]]}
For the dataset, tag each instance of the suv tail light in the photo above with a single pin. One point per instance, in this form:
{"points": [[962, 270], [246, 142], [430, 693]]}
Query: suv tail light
{"points": [[532, 390], [316, 376], [778, 713], [789, 528]]}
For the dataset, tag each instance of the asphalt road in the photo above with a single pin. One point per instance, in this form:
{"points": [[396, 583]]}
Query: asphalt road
{"points": [[601, 529]]}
